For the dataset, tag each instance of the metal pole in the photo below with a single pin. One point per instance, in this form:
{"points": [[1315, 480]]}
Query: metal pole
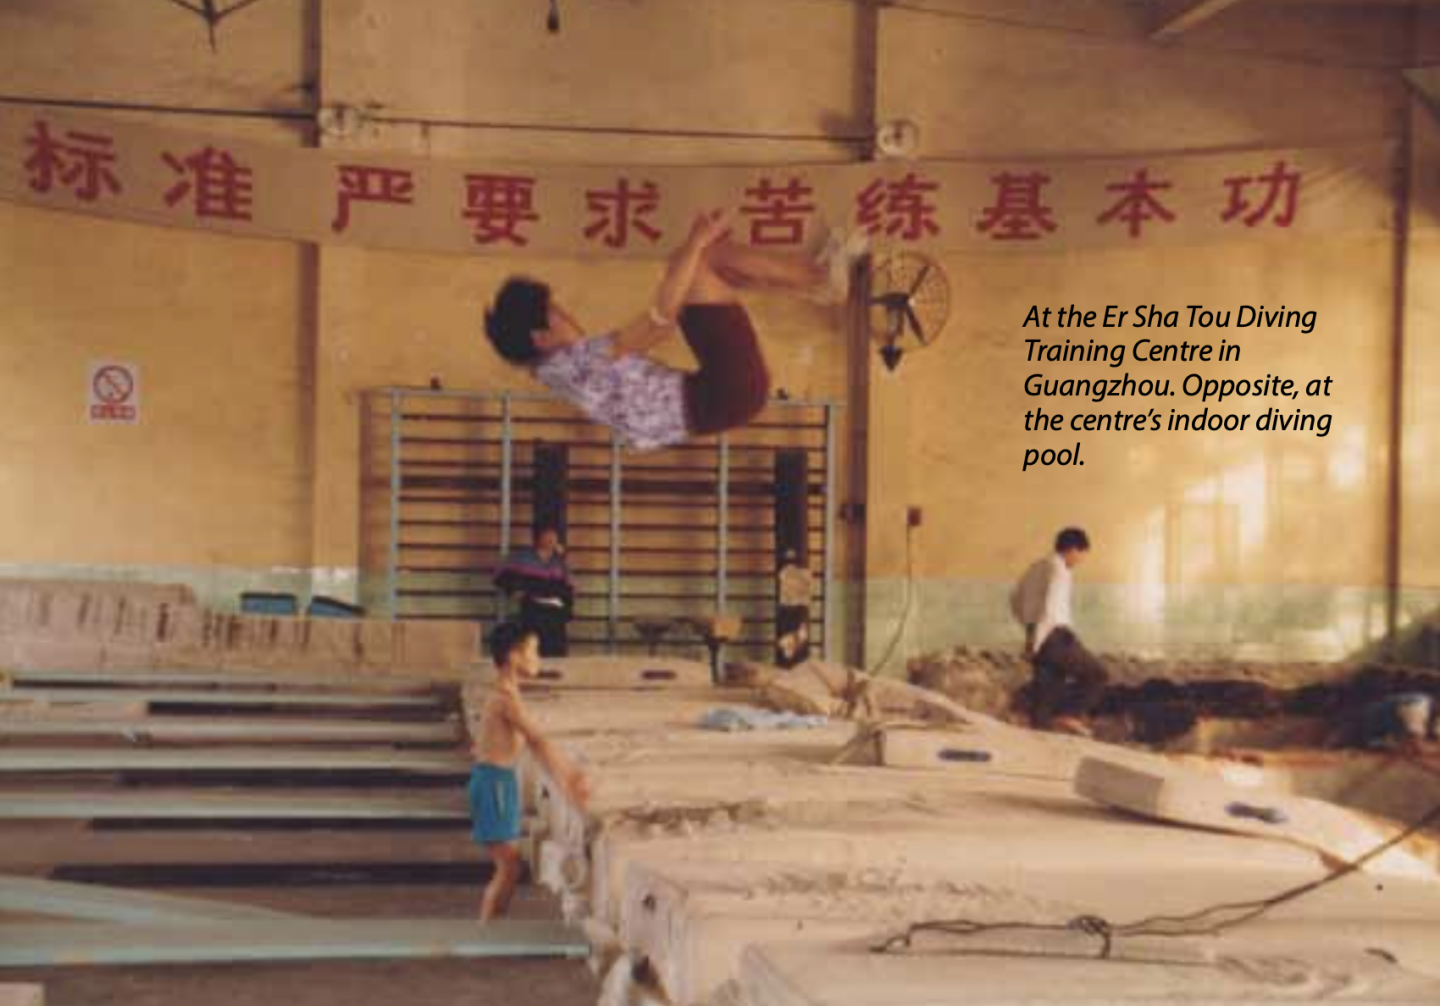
{"points": [[392, 573], [722, 525], [828, 648], [613, 627], [507, 462], [1395, 487]]}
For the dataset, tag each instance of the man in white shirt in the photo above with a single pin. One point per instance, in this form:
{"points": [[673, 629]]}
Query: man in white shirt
{"points": [[1068, 680]]}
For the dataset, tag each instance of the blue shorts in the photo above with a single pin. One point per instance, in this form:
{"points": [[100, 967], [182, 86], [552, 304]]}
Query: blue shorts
{"points": [[494, 804]]}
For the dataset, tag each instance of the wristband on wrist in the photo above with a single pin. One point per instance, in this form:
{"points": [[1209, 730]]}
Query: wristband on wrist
{"points": [[657, 317]]}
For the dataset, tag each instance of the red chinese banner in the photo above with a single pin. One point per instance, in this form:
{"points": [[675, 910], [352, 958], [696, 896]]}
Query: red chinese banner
{"points": [[93, 165]]}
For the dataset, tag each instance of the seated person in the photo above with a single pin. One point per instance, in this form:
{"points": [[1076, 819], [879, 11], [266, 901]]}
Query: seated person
{"points": [[541, 577]]}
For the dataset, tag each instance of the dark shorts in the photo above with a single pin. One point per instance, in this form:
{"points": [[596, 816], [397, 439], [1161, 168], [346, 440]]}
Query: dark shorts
{"points": [[548, 622], [494, 804], [1381, 724], [1069, 680], [732, 384]]}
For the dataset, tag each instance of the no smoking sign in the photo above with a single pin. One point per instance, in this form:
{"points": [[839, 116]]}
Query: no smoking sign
{"points": [[114, 390]]}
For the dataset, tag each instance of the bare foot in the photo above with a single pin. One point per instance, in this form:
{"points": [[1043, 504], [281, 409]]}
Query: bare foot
{"points": [[1070, 725]]}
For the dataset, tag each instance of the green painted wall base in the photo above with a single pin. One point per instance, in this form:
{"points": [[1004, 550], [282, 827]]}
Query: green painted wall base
{"points": [[1259, 623], [217, 587]]}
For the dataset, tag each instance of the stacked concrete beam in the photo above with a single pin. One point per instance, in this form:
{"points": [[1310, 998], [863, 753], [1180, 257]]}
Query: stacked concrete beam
{"points": [[692, 919], [79, 625], [207, 639], [62, 624], [696, 845], [799, 976]]}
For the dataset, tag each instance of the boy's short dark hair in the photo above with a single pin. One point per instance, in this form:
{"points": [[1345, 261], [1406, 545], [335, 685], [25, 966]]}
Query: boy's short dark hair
{"points": [[1072, 538], [505, 639], [522, 307]]}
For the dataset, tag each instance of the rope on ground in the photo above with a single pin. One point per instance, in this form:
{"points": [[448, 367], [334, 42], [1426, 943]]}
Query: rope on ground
{"points": [[675, 817], [1209, 921]]}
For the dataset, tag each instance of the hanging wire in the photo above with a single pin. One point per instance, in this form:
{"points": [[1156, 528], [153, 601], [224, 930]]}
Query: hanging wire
{"points": [[1210, 921]]}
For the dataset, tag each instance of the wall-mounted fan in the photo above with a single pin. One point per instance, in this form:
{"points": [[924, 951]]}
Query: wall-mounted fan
{"points": [[909, 303]]}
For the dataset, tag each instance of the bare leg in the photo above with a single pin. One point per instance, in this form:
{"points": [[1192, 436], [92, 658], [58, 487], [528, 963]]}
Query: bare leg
{"points": [[502, 885], [709, 286], [745, 266]]}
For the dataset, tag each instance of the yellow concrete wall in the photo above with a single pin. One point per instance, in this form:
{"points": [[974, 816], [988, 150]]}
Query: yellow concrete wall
{"points": [[158, 54], [1420, 404], [215, 472], [1422, 363], [1282, 487], [1212, 541], [212, 486]]}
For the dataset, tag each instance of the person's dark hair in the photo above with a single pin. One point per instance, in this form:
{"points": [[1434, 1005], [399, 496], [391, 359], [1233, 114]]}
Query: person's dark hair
{"points": [[505, 639], [522, 307], [1072, 537]]}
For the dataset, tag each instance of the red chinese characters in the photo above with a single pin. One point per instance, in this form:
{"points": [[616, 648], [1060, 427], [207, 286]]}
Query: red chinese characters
{"points": [[1018, 213], [363, 184], [778, 213], [616, 212], [898, 209], [498, 205], [82, 162], [1138, 205], [1282, 185], [221, 187]]}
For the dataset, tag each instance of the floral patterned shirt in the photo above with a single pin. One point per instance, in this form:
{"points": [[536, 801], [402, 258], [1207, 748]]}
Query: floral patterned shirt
{"points": [[641, 400]]}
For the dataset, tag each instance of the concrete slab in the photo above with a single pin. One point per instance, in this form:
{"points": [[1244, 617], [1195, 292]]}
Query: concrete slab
{"points": [[239, 759], [1081, 860], [1000, 749], [692, 920], [199, 677], [150, 696], [160, 804], [29, 896], [617, 673], [178, 728], [1171, 793], [83, 944], [791, 976], [39, 846]]}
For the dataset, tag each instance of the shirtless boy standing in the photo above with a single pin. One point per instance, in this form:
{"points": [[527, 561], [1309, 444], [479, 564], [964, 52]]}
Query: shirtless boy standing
{"points": [[504, 728]]}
